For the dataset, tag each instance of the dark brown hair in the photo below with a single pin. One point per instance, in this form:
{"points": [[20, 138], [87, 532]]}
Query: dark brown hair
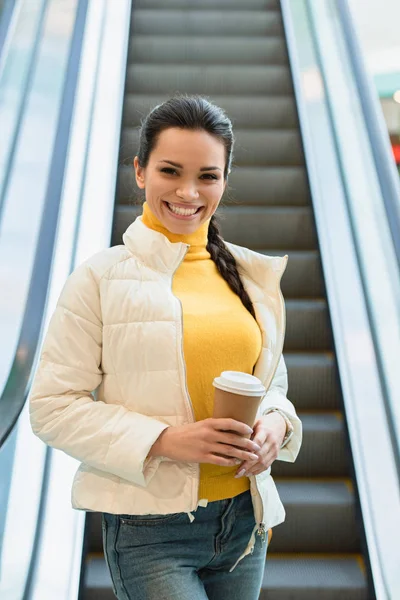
{"points": [[196, 112]]}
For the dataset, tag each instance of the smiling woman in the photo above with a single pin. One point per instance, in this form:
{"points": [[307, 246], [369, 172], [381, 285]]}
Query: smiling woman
{"points": [[186, 196], [150, 324]]}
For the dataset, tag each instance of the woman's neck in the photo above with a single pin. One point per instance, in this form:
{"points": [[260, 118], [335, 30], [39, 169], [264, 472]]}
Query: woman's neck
{"points": [[197, 240]]}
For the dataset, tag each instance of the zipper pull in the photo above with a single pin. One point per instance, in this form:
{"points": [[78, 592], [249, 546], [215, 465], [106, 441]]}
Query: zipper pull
{"points": [[262, 533]]}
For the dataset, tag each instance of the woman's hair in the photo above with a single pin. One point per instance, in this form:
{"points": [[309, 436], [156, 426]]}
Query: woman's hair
{"points": [[194, 112]]}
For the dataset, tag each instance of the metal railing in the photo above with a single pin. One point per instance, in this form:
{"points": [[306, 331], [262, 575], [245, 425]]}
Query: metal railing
{"points": [[40, 70], [86, 194], [389, 180], [359, 263], [45, 217]]}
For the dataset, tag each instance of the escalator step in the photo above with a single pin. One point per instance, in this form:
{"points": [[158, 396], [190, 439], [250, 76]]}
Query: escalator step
{"points": [[323, 452], [303, 275], [313, 383], [307, 325], [206, 22], [207, 4], [303, 577], [279, 186], [320, 516], [247, 80], [245, 112], [262, 147], [208, 50]]}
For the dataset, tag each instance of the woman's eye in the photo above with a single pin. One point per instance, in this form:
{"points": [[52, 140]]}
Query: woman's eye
{"points": [[170, 171]]}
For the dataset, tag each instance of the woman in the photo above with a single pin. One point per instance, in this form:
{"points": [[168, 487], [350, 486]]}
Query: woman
{"points": [[149, 324]]}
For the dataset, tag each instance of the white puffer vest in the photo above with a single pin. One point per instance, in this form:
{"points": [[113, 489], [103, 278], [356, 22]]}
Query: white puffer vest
{"points": [[117, 331]]}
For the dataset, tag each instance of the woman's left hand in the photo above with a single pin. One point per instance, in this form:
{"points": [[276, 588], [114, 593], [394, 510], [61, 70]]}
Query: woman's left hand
{"points": [[268, 433]]}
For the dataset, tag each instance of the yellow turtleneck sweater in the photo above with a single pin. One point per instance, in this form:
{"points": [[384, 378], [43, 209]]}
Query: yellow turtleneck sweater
{"points": [[219, 334]]}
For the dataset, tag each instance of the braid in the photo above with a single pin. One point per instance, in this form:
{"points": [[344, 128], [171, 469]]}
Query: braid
{"points": [[226, 263]]}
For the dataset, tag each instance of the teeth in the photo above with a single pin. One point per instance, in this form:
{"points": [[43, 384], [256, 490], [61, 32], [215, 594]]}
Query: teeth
{"points": [[181, 211]]}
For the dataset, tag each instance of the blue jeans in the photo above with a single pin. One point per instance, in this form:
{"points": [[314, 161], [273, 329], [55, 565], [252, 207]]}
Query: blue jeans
{"points": [[165, 557]]}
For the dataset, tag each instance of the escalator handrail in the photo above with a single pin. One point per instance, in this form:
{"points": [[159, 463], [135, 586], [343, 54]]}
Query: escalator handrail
{"points": [[24, 93], [16, 390], [313, 50], [375, 125], [6, 17]]}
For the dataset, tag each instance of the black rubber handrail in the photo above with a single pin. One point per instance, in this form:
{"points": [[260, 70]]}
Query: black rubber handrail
{"points": [[17, 387], [376, 127], [27, 84], [6, 14]]}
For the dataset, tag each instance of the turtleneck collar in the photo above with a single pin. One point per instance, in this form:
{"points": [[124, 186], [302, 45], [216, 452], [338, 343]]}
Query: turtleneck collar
{"points": [[197, 240]]}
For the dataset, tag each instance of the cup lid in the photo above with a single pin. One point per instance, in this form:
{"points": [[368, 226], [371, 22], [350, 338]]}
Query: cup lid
{"points": [[237, 382]]}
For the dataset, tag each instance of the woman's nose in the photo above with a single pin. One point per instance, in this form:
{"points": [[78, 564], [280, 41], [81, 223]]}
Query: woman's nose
{"points": [[187, 192]]}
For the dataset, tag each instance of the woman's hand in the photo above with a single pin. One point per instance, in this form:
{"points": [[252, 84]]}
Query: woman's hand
{"points": [[269, 432], [205, 441]]}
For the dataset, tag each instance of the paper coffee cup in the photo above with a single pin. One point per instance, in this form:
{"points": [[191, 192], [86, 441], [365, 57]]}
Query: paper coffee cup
{"points": [[237, 396]]}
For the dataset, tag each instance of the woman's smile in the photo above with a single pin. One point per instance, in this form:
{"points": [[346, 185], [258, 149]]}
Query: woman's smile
{"points": [[182, 211]]}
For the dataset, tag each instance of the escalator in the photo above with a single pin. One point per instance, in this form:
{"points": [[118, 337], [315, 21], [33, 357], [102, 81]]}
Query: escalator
{"points": [[236, 54], [295, 188]]}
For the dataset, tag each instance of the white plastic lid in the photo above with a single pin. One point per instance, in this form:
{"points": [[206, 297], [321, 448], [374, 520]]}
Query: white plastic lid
{"points": [[237, 382]]}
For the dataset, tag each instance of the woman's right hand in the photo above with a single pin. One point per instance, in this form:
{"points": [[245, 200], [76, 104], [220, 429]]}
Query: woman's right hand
{"points": [[204, 441]]}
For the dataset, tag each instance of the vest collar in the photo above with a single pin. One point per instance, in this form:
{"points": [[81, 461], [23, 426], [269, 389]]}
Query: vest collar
{"points": [[155, 250]]}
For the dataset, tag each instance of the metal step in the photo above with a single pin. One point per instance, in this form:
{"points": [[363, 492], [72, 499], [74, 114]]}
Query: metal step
{"points": [[207, 50], [320, 516], [260, 185], [303, 276], [307, 326], [324, 443], [218, 22], [245, 112], [207, 4], [258, 148], [208, 79], [313, 383], [310, 577]]}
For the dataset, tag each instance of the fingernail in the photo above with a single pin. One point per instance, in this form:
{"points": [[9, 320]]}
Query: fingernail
{"points": [[240, 474]]}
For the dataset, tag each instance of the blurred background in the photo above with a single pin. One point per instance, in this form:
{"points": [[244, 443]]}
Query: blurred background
{"points": [[313, 90], [380, 44]]}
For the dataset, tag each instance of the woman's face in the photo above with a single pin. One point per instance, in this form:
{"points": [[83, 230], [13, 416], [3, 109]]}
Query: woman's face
{"points": [[185, 171]]}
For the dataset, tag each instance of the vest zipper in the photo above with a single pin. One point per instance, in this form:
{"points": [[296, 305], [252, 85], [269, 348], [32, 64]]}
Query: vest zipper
{"points": [[282, 302], [261, 526], [261, 532], [188, 401], [189, 404]]}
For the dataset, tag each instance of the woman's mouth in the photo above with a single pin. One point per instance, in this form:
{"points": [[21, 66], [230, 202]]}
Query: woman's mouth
{"points": [[182, 213]]}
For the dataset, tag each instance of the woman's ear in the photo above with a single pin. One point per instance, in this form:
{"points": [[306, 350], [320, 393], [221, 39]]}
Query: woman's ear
{"points": [[139, 173]]}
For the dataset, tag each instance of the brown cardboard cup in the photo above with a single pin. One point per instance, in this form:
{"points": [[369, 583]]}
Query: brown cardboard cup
{"points": [[237, 396]]}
